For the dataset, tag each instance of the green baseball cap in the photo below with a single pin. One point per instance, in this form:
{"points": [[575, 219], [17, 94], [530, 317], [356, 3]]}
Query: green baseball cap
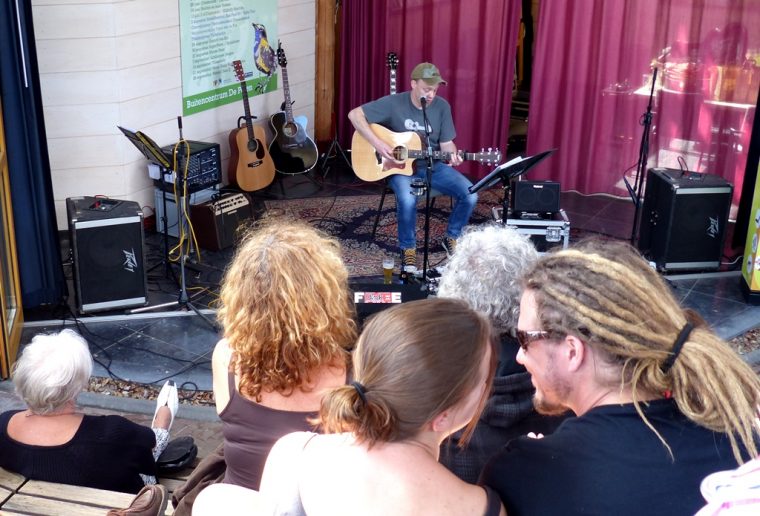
{"points": [[429, 73]]}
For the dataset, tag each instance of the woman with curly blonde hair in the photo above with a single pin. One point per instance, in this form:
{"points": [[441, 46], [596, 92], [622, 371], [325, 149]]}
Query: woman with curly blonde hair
{"points": [[288, 326]]}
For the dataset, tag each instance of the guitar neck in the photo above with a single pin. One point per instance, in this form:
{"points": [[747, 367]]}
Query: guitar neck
{"points": [[286, 90], [393, 81], [441, 155], [247, 109]]}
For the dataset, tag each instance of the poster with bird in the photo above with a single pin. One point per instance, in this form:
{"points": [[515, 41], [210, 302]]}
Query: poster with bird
{"points": [[213, 35]]}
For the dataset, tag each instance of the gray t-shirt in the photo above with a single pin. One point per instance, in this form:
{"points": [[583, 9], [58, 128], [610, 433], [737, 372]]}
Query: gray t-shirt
{"points": [[397, 113]]}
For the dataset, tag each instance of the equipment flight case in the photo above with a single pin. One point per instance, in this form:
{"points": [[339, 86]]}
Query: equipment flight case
{"points": [[545, 233]]}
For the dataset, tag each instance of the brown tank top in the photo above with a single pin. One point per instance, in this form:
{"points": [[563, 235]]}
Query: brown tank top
{"points": [[250, 430]]}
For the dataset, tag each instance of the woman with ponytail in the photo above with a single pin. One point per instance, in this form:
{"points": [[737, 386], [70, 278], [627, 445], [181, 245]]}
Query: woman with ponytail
{"points": [[422, 371]]}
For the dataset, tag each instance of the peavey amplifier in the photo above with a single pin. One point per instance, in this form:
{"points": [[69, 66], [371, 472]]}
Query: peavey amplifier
{"points": [[107, 247], [683, 221], [216, 222]]}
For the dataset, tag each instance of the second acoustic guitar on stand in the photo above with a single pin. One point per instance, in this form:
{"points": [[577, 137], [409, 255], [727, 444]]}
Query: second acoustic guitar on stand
{"points": [[292, 151]]}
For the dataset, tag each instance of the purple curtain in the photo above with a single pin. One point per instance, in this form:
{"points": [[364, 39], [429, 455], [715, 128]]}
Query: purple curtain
{"points": [[473, 43], [592, 70]]}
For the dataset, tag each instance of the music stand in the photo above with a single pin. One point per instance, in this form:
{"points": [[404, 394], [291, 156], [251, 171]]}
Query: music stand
{"points": [[154, 154], [147, 147], [508, 171]]}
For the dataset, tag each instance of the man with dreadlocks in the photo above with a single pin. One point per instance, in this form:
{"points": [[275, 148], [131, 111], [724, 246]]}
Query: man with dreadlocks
{"points": [[661, 400]]}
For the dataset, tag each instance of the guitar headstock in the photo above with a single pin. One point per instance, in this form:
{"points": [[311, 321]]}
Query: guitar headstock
{"points": [[239, 73], [392, 60], [281, 59], [488, 157]]}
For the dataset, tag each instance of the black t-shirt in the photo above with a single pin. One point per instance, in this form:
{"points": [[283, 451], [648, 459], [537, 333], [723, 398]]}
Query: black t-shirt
{"points": [[609, 462], [106, 452]]}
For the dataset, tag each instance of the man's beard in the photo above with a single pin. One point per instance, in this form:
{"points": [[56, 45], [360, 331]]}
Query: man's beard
{"points": [[546, 407], [560, 390]]}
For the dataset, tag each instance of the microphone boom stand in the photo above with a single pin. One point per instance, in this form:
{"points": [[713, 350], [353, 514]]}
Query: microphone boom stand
{"points": [[638, 180], [428, 187]]}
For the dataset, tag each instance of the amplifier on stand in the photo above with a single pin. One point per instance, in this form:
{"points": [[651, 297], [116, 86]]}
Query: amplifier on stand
{"points": [[160, 196], [216, 222], [203, 171]]}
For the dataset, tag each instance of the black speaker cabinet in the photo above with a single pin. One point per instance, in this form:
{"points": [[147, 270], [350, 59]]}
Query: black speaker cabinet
{"points": [[683, 220], [107, 244], [216, 222], [540, 197]]}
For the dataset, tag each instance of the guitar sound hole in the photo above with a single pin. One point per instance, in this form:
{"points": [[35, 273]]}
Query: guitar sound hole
{"points": [[290, 129], [400, 153], [253, 145]]}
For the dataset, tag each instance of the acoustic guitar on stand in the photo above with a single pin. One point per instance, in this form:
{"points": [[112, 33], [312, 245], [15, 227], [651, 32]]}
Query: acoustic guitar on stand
{"points": [[369, 165], [250, 166], [292, 150]]}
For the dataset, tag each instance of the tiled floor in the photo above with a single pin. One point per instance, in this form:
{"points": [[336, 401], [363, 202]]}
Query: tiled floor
{"points": [[149, 348]]}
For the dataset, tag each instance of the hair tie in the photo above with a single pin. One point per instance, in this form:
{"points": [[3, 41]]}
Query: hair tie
{"points": [[680, 340], [361, 391]]}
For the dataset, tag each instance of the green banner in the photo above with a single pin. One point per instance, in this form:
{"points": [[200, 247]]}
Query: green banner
{"points": [[213, 34], [226, 95]]}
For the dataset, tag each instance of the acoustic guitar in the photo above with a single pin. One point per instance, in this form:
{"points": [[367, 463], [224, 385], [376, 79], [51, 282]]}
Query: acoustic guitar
{"points": [[250, 166], [369, 165], [292, 150]]}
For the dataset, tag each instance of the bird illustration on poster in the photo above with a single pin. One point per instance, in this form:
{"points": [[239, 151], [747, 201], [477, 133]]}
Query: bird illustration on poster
{"points": [[263, 55]]}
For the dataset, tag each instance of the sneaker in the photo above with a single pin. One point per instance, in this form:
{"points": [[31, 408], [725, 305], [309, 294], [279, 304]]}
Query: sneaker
{"points": [[408, 258], [449, 245]]}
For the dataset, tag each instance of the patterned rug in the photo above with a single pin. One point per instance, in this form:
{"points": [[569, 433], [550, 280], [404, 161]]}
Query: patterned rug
{"points": [[350, 219]]}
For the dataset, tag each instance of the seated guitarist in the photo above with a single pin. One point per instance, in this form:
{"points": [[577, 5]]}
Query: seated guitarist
{"points": [[402, 112]]}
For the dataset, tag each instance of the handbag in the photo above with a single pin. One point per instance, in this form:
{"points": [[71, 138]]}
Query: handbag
{"points": [[178, 454]]}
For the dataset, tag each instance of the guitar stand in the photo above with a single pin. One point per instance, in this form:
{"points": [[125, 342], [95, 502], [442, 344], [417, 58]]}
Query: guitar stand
{"points": [[168, 271], [280, 175], [334, 151]]}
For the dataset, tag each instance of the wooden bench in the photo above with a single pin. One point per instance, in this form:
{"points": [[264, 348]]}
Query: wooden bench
{"points": [[19, 495]]}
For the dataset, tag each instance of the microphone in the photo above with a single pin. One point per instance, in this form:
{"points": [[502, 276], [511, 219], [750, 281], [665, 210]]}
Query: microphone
{"points": [[423, 100]]}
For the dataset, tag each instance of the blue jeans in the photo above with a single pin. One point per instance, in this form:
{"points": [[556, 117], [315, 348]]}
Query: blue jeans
{"points": [[447, 181]]}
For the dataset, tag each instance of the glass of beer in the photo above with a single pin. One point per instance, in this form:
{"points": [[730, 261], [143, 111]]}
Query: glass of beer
{"points": [[388, 270]]}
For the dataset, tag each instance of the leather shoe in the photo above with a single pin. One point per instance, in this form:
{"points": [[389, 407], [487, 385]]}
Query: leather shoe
{"points": [[150, 501]]}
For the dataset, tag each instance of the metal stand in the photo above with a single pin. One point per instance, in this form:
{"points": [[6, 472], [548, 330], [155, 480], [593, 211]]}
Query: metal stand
{"points": [[168, 271], [183, 301], [334, 151], [636, 190], [428, 187]]}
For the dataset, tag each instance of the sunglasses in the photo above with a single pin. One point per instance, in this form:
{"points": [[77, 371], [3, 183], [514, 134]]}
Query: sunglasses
{"points": [[524, 338]]}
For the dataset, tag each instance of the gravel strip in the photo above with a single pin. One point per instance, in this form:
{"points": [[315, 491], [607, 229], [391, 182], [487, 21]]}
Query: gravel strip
{"points": [[743, 344]]}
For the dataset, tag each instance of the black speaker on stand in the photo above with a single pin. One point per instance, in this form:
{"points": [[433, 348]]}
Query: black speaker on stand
{"points": [[107, 244], [683, 221]]}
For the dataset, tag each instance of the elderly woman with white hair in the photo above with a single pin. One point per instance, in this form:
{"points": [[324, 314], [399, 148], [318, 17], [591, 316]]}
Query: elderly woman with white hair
{"points": [[52, 441], [485, 272]]}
